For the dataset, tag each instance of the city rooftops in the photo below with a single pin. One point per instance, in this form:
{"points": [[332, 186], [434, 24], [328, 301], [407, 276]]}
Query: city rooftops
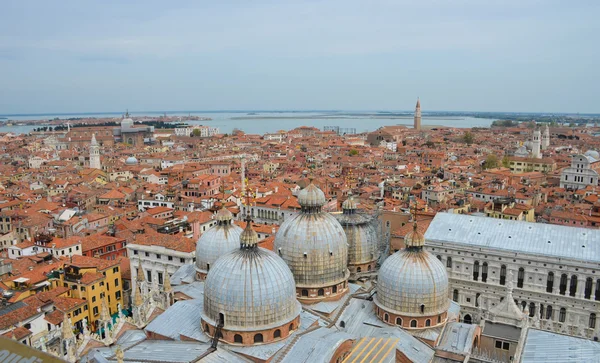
{"points": [[550, 240]]}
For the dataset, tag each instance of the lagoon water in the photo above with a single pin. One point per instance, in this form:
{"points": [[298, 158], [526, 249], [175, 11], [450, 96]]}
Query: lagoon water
{"points": [[260, 122]]}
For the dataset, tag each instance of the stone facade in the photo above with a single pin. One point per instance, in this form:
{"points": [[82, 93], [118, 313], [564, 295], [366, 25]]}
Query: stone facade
{"points": [[563, 295]]}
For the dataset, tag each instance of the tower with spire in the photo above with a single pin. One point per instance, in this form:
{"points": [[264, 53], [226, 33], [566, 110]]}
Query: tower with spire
{"points": [[95, 154], [536, 152], [417, 124], [546, 137]]}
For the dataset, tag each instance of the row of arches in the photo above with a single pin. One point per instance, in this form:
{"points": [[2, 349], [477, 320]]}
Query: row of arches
{"points": [[413, 322], [570, 285], [566, 285], [256, 338]]}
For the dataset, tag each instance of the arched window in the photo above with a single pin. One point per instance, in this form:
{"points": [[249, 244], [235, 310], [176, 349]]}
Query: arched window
{"points": [[549, 312], [358, 269], [238, 339], [321, 292], [476, 271], [592, 322], [258, 338], [467, 319], [439, 319], [386, 317], [422, 308], [541, 311], [484, 272], [439, 257], [550, 282], [291, 327], [428, 322], [449, 262], [221, 319], [588, 288], [399, 321], [304, 292], [334, 289], [562, 315], [368, 267], [523, 305], [597, 293], [206, 328], [413, 323], [532, 309], [521, 277], [342, 324], [573, 286], [477, 299], [503, 275], [455, 296], [562, 288], [277, 333]]}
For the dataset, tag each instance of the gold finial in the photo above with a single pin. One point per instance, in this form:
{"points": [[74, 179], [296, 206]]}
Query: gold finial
{"points": [[119, 354], [247, 196], [414, 215], [140, 271], [222, 189]]}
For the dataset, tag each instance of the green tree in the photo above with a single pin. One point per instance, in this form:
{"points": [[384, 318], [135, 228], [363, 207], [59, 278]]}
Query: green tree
{"points": [[506, 162], [491, 161], [468, 137], [430, 144], [353, 152], [196, 132]]}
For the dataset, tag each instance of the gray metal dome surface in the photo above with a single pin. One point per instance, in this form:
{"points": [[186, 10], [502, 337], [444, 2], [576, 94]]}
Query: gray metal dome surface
{"points": [[311, 196], [253, 289], [216, 242], [315, 247], [408, 279], [131, 161], [363, 243]]}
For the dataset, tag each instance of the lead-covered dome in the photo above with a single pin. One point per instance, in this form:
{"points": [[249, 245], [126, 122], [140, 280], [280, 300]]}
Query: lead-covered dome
{"points": [[311, 196], [131, 161], [250, 290], [412, 283], [314, 246], [217, 241], [362, 236]]}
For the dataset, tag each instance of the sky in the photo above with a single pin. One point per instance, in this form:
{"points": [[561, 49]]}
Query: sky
{"points": [[154, 55]]}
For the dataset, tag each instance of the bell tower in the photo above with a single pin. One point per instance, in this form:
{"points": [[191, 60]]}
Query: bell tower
{"points": [[95, 154], [417, 124]]}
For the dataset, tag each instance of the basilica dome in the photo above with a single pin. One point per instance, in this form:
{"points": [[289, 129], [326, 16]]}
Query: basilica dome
{"points": [[250, 293], [315, 247], [412, 286], [217, 241], [362, 236], [131, 161]]}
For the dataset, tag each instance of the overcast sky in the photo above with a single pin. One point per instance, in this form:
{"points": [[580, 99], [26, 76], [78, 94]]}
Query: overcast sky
{"points": [[479, 55]]}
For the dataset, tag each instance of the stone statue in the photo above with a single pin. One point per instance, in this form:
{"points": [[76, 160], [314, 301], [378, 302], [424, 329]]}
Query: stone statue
{"points": [[86, 330], [119, 354]]}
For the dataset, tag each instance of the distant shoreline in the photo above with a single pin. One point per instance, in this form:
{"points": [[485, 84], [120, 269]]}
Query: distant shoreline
{"points": [[340, 117]]}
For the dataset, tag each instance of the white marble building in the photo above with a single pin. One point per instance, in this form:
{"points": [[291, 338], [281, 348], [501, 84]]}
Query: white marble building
{"points": [[556, 269], [156, 261], [582, 172]]}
